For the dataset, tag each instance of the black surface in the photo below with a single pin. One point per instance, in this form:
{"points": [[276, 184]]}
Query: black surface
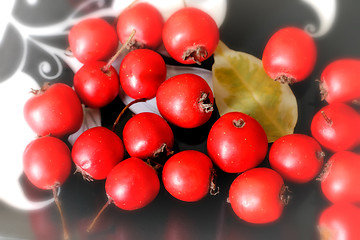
{"points": [[247, 27]]}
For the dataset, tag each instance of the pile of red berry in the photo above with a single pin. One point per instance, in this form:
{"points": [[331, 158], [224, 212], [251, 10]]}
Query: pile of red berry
{"points": [[236, 143]]}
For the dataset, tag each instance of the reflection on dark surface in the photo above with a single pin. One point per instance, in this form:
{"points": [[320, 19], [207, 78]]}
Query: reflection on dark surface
{"points": [[339, 221]]}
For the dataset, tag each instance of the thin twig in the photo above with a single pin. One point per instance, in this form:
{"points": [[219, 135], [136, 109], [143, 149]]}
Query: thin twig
{"points": [[124, 109], [113, 58], [57, 202]]}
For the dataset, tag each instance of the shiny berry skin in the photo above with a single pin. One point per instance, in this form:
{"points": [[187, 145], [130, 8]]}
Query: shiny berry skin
{"points": [[339, 82], [296, 157], [132, 184], [187, 175], [339, 222], [147, 22], [96, 151], [47, 162], [258, 195], [141, 73], [54, 110], [190, 35], [340, 179], [92, 39], [147, 135], [95, 86], [237, 142], [336, 127], [289, 55], [185, 100]]}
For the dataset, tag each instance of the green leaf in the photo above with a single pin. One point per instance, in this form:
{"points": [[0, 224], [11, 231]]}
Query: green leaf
{"points": [[241, 84]]}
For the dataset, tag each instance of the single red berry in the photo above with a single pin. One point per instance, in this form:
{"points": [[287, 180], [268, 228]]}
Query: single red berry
{"points": [[141, 73], [289, 55], [47, 162], [339, 82], [147, 135], [47, 165], [296, 157], [340, 178], [237, 142], [336, 127], [92, 39], [339, 222], [185, 100], [54, 110], [187, 175], [147, 22], [132, 184], [258, 195], [95, 86], [96, 151], [190, 35]]}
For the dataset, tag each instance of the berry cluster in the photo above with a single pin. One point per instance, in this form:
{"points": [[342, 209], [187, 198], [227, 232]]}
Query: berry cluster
{"points": [[236, 143]]}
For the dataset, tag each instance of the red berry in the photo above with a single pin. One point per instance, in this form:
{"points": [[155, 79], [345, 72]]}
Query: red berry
{"points": [[92, 39], [339, 81], [146, 135], [258, 195], [336, 127], [190, 35], [237, 142], [340, 179], [141, 73], [54, 110], [289, 55], [132, 184], [187, 175], [296, 157], [47, 162], [339, 222], [95, 86], [47, 165], [96, 151], [147, 22], [185, 100]]}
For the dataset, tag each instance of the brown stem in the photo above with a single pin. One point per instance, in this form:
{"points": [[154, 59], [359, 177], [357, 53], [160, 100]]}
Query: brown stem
{"points": [[57, 202], [112, 60], [124, 109], [327, 119], [91, 226]]}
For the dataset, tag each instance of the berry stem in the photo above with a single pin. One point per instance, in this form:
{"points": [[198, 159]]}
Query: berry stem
{"points": [[57, 202], [91, 226], [327, 119], [124, 109], [112, 60]]}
